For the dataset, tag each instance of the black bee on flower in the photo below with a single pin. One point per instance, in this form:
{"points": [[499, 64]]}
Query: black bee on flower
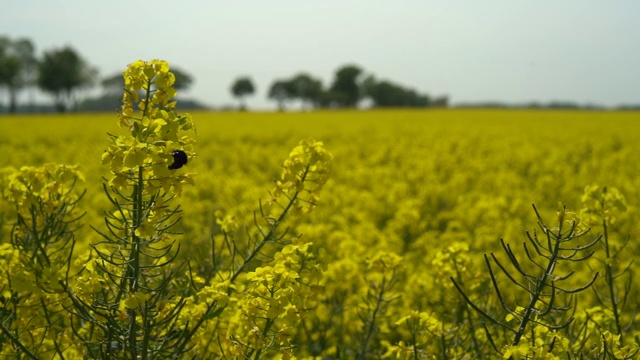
{"points": [[179, 159]]}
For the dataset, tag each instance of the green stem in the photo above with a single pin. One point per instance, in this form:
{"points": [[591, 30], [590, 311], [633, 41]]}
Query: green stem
{"points": [[472, 329], [271, 232], [542, 282], [133, 265], [147, 98], [138, 219], [147, 333], [17, 342], [56, 345], [609, 276], [372, 321], [415, 346], [265, 331]]}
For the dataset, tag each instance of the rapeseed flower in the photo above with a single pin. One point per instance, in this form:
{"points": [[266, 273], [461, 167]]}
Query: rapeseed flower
{"points": [[156, 138]]}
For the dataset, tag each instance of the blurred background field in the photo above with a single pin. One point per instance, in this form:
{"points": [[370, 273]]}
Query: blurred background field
{"points": [[480, 168], [422, 184]]}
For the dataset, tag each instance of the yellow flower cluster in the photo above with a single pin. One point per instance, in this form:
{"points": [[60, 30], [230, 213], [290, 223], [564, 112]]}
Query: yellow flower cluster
{"points": [[546, 345], [156, 132], [612, 348], [423, 332], [268, 304], [276, 298], [304, 173], [45, 202], [18, 279], [90, 280], [384, 262], [155, 80], [34, 263], [602, 203], [452, 261], [46, 186]]}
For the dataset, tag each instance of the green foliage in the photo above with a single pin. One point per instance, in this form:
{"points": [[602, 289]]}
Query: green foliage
{"points": [[387, 94], [61, 73], [17, 67], [242, 87], [281, 91], [607, 207], [345, 88], [307, 89], [301, 87], [37, 263], [548, 300]]}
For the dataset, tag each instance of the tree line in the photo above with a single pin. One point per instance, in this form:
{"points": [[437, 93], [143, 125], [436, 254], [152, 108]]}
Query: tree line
{"points": [[63, 73], [59, 72], [348, 87]]}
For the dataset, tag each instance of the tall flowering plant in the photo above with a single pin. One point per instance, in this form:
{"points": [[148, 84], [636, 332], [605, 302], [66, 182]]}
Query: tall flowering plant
{"points": [[607, 207], [127, 298], [265, 284], [36, 262], [136, 299]]}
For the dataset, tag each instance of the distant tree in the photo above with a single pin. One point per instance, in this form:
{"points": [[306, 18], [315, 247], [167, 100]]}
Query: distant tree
{"points": [[387, 94], [415, 99], [9, 67], [281, 91], [242, 87], [367, 86], [559, 104], [184, 80], [345, 88], [331, 99], [17, 67], [440, 101], [61, 73], [114, 84], [307, 89]]}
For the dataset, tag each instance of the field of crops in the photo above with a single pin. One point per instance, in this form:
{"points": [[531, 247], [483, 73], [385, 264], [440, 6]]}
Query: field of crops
{"points": [[414, 198]]}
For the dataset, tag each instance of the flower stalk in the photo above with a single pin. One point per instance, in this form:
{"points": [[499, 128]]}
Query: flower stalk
{"points": [[542, 288]]}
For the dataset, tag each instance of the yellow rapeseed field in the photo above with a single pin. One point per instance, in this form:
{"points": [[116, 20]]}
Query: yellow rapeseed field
{"points": [[415, 198]]}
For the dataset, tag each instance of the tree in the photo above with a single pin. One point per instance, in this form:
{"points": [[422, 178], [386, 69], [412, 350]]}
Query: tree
{"points": [[387, 94], [301, 86], [281, 91], [61, 73], [441, 101], [345, 89], [17, 67], [307, 89], [183, 79], [242, 87]]}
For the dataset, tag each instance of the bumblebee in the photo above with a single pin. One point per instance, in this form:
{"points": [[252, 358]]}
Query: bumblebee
{"points": [[179, 159]]}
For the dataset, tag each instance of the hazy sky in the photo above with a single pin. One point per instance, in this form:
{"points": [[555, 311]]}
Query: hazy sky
{"points": [[472, 50]]}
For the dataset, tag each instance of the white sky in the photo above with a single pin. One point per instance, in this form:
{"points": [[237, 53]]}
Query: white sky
{"points": [[473, 50]]}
